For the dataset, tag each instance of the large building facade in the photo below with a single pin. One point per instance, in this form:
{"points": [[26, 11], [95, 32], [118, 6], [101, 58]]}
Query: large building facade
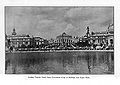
{"points": [[24, 40], [104, 37], [64, 39], [15, 40]]}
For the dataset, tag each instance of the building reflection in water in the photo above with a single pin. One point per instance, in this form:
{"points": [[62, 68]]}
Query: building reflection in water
{"points": [[60, 63]]}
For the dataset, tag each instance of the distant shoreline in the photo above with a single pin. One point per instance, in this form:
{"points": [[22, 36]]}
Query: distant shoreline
{"points": [[62, 51]]}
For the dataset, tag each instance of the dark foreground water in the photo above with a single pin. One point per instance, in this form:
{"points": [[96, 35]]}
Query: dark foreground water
{"points": [[78, 62]]}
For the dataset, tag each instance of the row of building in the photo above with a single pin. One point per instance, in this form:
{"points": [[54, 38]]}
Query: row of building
{"points": [[105, 38], [16, 41]]}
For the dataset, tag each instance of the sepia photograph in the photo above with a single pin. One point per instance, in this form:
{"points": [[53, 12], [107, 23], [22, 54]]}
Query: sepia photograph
{"points": [[59, 40]]}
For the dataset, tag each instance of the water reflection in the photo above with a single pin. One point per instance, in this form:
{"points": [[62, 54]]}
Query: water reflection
{"points": [[60, 63]]}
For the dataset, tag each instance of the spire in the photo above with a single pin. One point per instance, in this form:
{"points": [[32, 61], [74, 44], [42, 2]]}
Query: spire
{"points": [[14, 33], [87, 34]]}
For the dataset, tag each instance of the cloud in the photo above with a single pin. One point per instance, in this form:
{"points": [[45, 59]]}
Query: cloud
{"points": [[97, 17], [48, 22]]}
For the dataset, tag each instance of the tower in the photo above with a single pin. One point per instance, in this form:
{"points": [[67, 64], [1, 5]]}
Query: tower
{"points": [[87, 33], [14, 33]]}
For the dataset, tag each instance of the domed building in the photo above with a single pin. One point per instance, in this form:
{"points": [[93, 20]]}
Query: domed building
{"points": [[64, 39], [17, 40], [104, 37]]}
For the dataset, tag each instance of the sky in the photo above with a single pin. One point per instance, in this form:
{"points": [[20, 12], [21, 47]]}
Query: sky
{"points": [[49, 22]]}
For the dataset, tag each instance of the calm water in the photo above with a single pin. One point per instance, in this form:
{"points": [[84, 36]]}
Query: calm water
{"points": [[77, 62]]}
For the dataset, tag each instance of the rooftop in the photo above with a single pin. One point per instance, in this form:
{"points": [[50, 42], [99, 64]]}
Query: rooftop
{"points": [[64, 35]]}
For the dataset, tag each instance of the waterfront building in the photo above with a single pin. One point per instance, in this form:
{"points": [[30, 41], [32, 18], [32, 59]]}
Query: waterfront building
{"points": [[110, 35], [24, 40], [18, 40], [51, 41], [37, 41], [76, 39], [104, 37], [93, 39], [64, 39]]}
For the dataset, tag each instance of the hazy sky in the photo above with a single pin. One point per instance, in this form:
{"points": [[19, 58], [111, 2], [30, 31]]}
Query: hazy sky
{"points": [[49, 22]]}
